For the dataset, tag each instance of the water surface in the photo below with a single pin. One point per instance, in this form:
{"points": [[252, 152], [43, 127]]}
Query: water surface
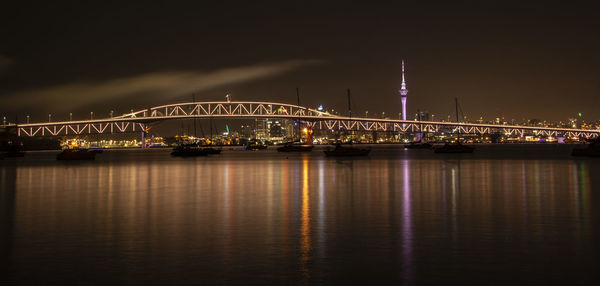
{"points": [[503, 215]]}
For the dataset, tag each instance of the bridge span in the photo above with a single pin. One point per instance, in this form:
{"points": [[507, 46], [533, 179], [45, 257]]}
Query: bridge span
{"points": [[139, 121]]}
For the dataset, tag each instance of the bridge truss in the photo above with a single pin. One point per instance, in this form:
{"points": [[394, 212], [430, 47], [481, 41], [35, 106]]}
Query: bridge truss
{"points": [[139, 121]]}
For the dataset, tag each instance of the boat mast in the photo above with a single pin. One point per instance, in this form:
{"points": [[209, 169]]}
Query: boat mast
{"points": [[297, 123], [194, 100], [211, 130], [350, 111], [458, 126], [349, 104]]}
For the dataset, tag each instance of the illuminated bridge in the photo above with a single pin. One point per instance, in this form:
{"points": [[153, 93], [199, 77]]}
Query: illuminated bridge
{"points": [[140, 120]]}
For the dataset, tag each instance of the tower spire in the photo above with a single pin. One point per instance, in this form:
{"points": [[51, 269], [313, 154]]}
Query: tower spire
{"points": [[403, 93]]}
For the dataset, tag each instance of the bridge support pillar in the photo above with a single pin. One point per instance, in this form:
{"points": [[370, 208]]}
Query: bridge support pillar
{"points": [[144, 136], [419, 137]]}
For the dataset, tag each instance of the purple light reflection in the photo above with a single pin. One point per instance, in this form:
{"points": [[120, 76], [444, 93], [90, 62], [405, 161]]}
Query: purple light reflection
{"points": [[406, 223]]}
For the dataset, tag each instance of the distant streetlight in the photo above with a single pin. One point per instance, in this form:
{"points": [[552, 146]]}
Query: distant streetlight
{"points": [[111, 113], [3, 120], [367, 113], [91, 115], [70, 116], [50, 117], [27, 119], [383, 114]]}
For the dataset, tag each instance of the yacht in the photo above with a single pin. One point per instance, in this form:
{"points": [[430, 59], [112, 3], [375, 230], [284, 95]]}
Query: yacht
{"points": [[417, 145], [455, 147], [76, 154], [188, 151], [344, 151], [291, 147], [592, 150]]}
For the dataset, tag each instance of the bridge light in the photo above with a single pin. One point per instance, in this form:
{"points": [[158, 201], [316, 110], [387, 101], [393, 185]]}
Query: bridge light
{"points": [[320, 108], [91, 115], [49, 117], [70, 116], [27, 119]]}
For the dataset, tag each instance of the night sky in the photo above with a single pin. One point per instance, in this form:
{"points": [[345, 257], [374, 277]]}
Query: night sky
{"points": [[535, 60]]}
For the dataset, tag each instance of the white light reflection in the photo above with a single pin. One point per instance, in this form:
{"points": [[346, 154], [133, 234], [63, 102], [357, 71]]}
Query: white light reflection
{"points": [[322, 210]]}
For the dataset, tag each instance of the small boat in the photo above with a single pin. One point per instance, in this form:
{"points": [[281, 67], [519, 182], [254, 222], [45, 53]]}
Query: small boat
{"points": [[76, 154], [418, 145], [188, 151], [592, 150], [14, 151], [295, 148], [343, 151], [255, 145], [211, 150], [14, 154], [454, 148]]}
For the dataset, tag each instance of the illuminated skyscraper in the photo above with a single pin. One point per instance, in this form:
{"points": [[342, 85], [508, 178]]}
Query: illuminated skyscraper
{"points": [[403, 92]]}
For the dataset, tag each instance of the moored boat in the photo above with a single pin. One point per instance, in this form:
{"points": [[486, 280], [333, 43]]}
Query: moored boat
{"points": [[14, 154], [592, 150], [454, 148], [76, 154], [295, 148], [255, 145], [188, 151], [296, 145], [586, 152], [14, 151], [343, 151], [418, 145], [211, 150]]}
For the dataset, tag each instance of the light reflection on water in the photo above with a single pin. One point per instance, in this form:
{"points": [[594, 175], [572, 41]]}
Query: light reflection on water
{"points": [[303, 219]]}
